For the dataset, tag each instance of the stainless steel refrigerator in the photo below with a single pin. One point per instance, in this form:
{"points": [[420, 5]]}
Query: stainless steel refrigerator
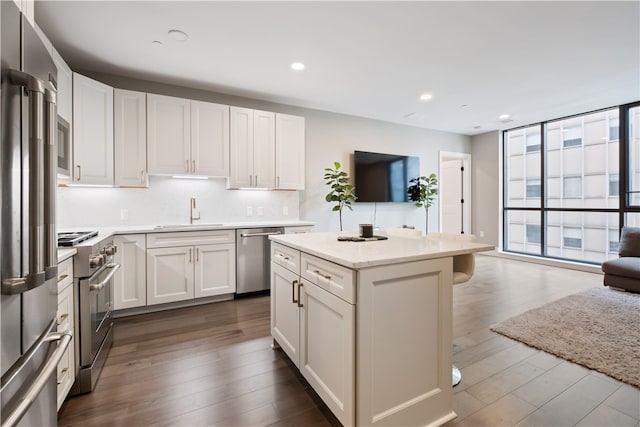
{"points": [[30, 346]]}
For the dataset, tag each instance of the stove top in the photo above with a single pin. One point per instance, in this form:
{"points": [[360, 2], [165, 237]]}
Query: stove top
{"points": [[75, 237]]}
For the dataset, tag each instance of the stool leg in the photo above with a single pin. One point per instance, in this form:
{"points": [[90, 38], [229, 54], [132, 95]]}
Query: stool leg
{"points": [[456, 376]]}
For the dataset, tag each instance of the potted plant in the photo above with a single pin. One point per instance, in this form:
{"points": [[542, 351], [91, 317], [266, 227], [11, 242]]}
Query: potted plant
{"points": [[422, 190], [342, 192]]}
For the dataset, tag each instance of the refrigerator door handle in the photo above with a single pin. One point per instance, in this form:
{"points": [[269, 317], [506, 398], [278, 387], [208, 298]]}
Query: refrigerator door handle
{"points": [[26, 399], [35, 275], [50, 178]]}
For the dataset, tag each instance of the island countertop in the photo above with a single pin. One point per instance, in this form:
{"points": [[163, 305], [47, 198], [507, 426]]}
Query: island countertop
{"points": [[394, 250]]}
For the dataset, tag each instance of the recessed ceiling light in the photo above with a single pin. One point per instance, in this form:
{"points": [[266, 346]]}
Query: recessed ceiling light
{"points": [[464, 105], [157, 43], [410, 115], [425, 97], [297, 66], [477, 127], [179, 36], [503, 116]]}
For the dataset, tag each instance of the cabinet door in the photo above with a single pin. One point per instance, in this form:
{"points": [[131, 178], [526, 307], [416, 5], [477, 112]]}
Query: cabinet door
{"points": [[285, 320], [64, 95], [215, 272], [130, 282], [169, 274], [290, 157], [241, 148], [92, 131], [327, 349], [264, 150], [169, 135], [66, 372], [210, 138], [130, 139]]}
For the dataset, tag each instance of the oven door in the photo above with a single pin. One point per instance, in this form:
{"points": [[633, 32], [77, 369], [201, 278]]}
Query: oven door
{"points": [[96, 302]]}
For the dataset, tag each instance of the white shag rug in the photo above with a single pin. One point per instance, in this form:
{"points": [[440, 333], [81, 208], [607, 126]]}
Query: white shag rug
{"points": [[598, 328]]}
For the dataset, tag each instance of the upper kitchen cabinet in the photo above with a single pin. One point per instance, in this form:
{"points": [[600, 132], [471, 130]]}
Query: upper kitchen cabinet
{"points": [[267, 150], [290, 145], [92, 132], [65, 87], [187, 137], [130, 139], [252, 148]]}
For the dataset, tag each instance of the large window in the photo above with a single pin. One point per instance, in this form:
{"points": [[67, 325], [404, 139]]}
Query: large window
{"points": [[563, 181]]}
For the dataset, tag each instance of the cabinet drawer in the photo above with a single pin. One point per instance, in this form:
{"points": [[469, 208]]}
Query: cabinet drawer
{"points": [[65, 273], [334, 278], [65, 310], [65, 376], [285, 256], [190, 238]]}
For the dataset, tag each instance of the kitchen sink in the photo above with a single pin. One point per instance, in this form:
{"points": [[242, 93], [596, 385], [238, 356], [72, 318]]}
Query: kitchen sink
{"points": [[187, 226]]}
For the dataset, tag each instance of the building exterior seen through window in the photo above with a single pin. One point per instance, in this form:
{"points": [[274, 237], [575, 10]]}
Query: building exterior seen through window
{"points": [[562, 184]]}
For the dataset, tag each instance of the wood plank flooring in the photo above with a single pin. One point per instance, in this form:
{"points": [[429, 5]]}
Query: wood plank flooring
{"points": [[213, 365]]}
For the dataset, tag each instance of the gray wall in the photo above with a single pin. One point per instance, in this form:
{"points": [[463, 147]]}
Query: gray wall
{"points": [[333, 137], [485, 150]]}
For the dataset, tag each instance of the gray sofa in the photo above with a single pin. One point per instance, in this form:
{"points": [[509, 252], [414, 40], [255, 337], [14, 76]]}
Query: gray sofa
{"points": [[624, 272]]}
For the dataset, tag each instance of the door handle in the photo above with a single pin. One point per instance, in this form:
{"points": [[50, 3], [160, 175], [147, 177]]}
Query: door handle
{"points": [[299, 295], [78, 175]]}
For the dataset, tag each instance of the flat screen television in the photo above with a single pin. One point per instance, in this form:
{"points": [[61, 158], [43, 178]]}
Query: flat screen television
{"points": [[382, 177]]}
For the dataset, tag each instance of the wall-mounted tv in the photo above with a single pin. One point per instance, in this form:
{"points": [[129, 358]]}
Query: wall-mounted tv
{"points": [[382, 177]]}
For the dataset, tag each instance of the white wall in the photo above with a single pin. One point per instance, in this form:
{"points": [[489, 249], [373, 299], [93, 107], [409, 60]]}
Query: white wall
{"points": [[329, 137], [485, 182], [166, 201]]}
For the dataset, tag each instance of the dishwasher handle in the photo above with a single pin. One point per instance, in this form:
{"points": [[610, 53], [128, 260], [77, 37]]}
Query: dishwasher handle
{"points": [[268, 233]]}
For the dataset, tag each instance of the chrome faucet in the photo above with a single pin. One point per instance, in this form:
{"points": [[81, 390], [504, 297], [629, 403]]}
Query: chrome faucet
{"points": [[192, 206]]}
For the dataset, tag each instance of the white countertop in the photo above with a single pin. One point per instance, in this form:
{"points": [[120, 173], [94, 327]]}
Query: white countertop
{"points": [[394, 250], [64, 253]]}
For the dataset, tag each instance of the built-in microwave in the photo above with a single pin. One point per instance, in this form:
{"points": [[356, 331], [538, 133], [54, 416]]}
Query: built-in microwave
{"points": [[64, 148]]}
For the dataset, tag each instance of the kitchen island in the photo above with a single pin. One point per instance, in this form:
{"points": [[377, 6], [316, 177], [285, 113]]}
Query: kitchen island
{"points": [[369, 324]]}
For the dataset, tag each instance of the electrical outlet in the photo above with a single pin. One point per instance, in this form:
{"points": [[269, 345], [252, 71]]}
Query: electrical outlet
{"points": [[285, 210], [482, 234], [249, 211], [260, 211], [124, 214]]}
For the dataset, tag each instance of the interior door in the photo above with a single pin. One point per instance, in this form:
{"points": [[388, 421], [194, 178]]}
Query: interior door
{"points": [[451, 195]]}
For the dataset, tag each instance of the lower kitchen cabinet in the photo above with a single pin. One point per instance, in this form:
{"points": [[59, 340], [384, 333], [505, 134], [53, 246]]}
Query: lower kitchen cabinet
{"points": [[66, 373], [179, 269], [130, 282], [316, 329]]}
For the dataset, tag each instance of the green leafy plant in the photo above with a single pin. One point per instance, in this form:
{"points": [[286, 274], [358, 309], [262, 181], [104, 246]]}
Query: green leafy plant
{"points": [[342, 192], [423, 190]]}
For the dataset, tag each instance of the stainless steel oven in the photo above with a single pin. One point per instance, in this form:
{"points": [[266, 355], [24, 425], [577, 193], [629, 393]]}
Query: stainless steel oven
{"points": [[64, 148], [94, 268]]}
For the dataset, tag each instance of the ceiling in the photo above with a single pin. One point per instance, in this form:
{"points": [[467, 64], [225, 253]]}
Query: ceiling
{"points": [[532, 60]]}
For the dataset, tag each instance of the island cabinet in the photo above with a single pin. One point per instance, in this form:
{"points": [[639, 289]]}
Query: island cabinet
{"points": [[188, 265], [369, 324], [313, 320]]}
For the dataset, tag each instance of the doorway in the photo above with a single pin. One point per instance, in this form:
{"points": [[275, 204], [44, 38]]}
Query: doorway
{"points": [[454, 192]]}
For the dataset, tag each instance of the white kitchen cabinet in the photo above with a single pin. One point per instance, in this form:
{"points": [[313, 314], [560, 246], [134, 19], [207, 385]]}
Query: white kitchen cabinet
{"points": [[215, 270], [130, 138], [252, 150], [210, 138], [298, 229], [64, 95], [130, 281], [315, 327], [169, 274], [92, 132], [169, 134], [66, 373], [290, 152], [187, 137], [187, 265]]}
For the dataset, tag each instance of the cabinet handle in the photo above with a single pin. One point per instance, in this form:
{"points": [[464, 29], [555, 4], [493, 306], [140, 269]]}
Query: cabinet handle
{"points": [[187, 168], [190, 255], [193, 165], [62, 277], [250, 180], [278, 181], [65, 371], [142, 177], [324, 276], [78, 175], [197, 254], [293, 291], [299, 296], [256, 183], [62, 318]]}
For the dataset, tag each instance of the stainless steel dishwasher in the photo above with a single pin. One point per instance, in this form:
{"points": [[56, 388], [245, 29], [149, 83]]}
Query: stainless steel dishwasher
{"points": [[253, 259]]}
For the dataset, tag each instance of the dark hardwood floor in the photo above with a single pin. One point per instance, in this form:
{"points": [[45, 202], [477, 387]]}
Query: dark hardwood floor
{"points": [[213, 365]]}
